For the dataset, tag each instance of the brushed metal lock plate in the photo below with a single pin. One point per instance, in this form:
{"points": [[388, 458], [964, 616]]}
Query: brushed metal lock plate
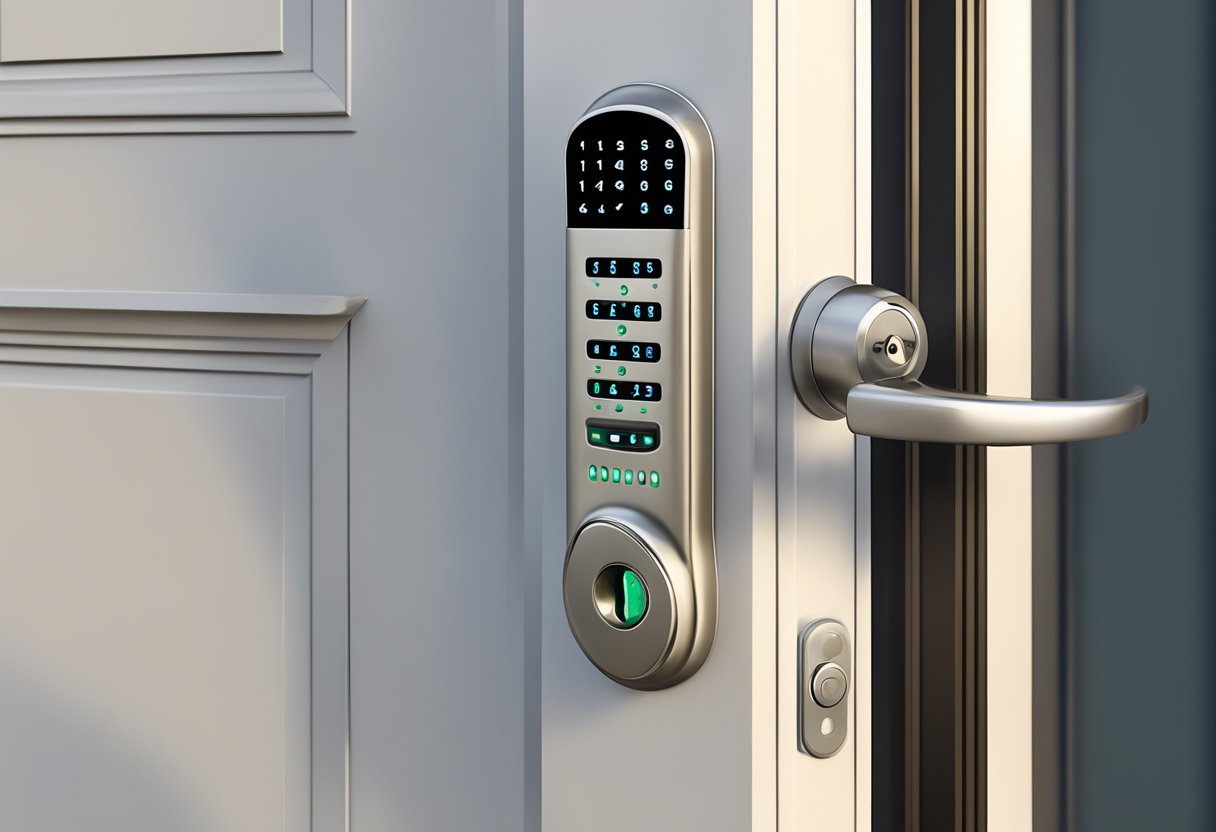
{"points": [[639, 373], [825, 669]]}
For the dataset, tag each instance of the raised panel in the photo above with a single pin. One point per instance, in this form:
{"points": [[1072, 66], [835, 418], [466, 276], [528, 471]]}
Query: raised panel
{"points": [[174, 607], [154, 600], [57, 30], [204, 75]]}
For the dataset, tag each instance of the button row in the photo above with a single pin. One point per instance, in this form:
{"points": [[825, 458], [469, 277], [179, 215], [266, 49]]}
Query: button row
{"points": [[627, 477], [631, 438]]}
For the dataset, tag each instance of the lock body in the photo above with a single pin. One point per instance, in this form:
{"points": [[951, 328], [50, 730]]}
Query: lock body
{"points": [[640, 579]]}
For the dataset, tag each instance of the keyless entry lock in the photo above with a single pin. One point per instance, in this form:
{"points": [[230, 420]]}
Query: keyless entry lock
{"points": [[640, 579], [824, 665]]}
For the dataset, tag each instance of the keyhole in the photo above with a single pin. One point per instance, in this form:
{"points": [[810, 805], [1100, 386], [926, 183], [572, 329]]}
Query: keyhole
{"points": [[896, 348]]}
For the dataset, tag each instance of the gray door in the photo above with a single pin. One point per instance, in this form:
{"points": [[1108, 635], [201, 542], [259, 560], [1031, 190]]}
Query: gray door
{"points": [[260, 569]]}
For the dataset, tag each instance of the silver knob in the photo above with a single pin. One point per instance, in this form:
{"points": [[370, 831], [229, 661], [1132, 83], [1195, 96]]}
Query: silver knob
{"points": [[857, 353]]}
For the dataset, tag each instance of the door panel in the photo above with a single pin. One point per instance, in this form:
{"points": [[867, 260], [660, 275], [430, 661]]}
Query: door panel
{"points": [[386, 211]]}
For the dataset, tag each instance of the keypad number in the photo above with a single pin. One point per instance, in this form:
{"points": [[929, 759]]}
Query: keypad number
{"points": [[625, 169]]}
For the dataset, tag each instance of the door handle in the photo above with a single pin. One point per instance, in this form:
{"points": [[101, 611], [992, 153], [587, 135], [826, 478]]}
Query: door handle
{"points": [[857, 352]]}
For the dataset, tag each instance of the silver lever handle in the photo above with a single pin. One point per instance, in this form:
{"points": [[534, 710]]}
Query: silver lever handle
{"points": [[857, 353], [920, 413]]}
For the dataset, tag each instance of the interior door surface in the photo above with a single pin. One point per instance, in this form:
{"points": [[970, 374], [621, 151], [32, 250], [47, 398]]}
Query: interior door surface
{"points": [[156, 646]]}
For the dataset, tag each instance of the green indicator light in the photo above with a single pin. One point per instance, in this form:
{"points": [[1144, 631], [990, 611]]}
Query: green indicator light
{"points": [[599, 407], [595, 437], [630, 598], [619, 408], [633, 439], [616, 474], [597, 283], [624, 290], [598, 368], [648, 441], [654, 479], [628, 476], [592, 473], [642, 478], [643, 410], [620, 330], [620, 371], [652, 285], [604, 473]]}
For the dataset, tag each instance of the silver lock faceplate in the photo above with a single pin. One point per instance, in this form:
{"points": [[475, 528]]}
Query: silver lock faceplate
{"points": [[639, 327]]}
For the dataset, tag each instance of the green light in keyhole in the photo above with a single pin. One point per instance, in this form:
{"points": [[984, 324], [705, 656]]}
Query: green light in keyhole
{"points": [[620, 330], [630, 598]]}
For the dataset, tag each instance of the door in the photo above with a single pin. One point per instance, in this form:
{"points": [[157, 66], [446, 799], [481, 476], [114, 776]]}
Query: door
{"points": [[257, 534]]}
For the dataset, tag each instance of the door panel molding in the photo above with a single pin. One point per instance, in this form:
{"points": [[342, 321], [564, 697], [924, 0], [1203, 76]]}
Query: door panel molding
{"points": [[184, 459]]}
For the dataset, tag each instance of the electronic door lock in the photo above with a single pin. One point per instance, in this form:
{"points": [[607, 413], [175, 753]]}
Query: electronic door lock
{"points": [[857, 352], [640, 580]]}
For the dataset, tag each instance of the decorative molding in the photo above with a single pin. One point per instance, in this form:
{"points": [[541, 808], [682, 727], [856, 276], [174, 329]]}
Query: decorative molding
{"points": [[309, 79], [188, 321]]}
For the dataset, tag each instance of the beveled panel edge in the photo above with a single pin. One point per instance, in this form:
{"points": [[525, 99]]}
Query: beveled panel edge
{"points": [[244, 94], [194, 320]]}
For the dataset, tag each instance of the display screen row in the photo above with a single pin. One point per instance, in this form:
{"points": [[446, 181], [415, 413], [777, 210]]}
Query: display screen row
{"points": [[624, 267], [637, 391], [624, 310], [645, 351]]}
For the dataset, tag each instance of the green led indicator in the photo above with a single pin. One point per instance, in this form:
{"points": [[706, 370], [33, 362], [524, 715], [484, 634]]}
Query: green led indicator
{"points": [[633, 439], [641, 478], [620, 330], [620, 371], [595, 437], [616, 474], [598, 368], [628, 476], [643, 410], [630, 598], [624, 290], [599, 407], [654, 285], [597, 283], [619, 408], [604, 473], [592, 473], [654, 479]]}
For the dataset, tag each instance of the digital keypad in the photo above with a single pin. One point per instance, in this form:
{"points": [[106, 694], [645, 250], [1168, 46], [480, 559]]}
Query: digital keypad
{"points": [[625, 169]]}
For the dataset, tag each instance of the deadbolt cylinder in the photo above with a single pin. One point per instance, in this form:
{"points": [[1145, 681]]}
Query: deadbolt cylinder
{"points": [[629, 599]]}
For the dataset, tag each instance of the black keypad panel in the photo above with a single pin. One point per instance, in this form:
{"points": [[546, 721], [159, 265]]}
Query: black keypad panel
{"points": [[625, 169]]}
